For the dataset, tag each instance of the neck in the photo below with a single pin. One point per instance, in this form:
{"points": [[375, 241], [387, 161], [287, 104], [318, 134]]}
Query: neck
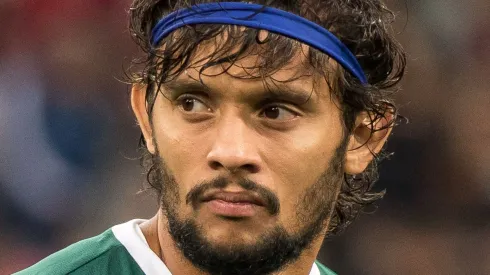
{"points": [[161, 243]]}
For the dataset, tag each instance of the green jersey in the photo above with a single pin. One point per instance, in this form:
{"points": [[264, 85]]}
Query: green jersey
{"points": [[121, 250]]}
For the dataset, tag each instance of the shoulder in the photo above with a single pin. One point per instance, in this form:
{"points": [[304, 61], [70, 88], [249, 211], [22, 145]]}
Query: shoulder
{"points": [[102, 254], [324, 270]]}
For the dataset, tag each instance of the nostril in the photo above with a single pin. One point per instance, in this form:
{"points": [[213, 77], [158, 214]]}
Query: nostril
{"points": [[215, 165], [251, 168]]}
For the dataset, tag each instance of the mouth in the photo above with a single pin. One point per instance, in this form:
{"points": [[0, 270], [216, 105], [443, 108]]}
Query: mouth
{"points": [[233, 204]]}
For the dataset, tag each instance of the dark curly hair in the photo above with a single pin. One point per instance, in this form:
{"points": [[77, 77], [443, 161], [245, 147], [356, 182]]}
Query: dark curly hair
{"points": [[364, 26]]}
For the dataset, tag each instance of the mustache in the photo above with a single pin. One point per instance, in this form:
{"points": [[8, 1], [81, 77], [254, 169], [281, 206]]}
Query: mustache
{"points": [[270, 199]]}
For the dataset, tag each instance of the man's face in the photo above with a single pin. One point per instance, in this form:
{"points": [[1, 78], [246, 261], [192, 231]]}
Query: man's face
{"points": [[243, 165]]}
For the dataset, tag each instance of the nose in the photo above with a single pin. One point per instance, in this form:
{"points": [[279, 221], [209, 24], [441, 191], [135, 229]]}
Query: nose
{"points": [[234, 149]]}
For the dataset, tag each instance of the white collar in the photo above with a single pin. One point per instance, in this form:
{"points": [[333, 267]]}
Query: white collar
{"points": [[129, 234]]}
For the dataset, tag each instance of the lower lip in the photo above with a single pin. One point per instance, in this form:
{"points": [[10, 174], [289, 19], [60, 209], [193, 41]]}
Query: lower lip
{"points": [[231, 209]]}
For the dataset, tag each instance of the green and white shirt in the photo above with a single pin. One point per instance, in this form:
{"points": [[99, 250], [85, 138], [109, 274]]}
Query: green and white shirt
{"points": [[121, 250]]}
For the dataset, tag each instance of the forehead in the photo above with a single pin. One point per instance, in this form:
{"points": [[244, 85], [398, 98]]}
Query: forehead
{"points": [[243, 55], [251, 70], [232, 81]]}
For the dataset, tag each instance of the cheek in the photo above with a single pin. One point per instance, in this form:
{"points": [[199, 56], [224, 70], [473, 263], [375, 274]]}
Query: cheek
{"points": [[298, 160], [182, 148]]}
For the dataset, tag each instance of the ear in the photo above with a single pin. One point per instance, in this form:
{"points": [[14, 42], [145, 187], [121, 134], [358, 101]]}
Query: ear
{"points": [[138, 103], [366, 141]]}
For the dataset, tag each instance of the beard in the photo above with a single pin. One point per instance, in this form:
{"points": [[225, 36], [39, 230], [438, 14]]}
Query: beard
{"points": [[275, 249]]}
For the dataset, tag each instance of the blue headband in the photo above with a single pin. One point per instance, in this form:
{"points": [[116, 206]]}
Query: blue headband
{"points": [[264, 18]]}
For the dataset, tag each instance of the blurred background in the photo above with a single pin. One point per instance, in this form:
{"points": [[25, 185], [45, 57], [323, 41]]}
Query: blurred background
{"points": [[68, 139]]}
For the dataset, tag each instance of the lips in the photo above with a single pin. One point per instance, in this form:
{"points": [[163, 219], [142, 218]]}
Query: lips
{"points": [[235, 197], [233, 204]]}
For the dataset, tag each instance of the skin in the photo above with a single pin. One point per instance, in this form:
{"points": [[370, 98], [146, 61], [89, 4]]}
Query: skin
{"points": [[229, 132]]}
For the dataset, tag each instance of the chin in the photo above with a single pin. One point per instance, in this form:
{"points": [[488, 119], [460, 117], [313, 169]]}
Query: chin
{"points": [[227, 232], [225, 238]]}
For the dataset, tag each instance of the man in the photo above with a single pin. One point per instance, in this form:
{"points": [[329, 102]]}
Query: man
{"points": [[260, 122]]}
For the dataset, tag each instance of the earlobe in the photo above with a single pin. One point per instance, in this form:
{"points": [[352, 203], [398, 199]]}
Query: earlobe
{"points": [[366, 141], [138, 103]]}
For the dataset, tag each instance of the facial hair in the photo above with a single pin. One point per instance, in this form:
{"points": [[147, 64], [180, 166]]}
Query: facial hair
{"points": [[274, 249]]}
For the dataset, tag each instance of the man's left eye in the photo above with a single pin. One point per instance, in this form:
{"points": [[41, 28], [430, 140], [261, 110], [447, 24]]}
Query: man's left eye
{"points": [[278, 113]]}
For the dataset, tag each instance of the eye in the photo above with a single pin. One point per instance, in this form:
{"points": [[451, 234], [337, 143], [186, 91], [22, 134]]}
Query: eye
{"points": [[192, 105], [278, 113]]}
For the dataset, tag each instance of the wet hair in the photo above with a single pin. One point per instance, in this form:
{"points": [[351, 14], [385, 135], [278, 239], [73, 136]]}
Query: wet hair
{"points": [[364, 26]]}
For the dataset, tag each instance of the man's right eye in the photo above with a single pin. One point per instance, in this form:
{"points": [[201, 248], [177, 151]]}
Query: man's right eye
{"points": [[192, 105]]}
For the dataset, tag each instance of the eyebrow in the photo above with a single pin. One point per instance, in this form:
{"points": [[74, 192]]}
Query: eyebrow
{"points": [[278, 91]]}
